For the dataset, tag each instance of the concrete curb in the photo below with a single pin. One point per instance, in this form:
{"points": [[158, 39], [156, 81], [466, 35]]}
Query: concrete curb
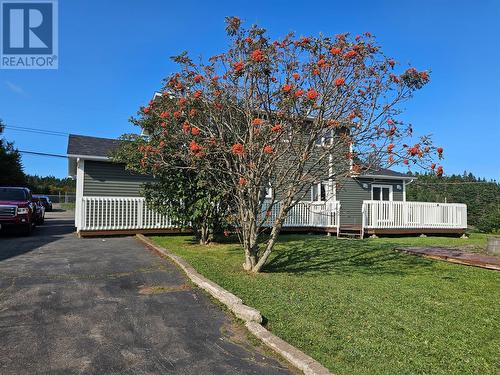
{"points": [[251, 316], [293, 355]]}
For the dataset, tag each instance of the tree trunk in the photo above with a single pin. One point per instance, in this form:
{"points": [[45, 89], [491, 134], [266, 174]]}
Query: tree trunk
{"points": [[250, 245], [250, 260], [204, 234], [269, 248], [251, 251], [274, 234]]}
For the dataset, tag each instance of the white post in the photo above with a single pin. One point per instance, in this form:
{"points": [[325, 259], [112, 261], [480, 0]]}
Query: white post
{"points": [[363, 219], [140, 213], [337, 216], [80, 168]]}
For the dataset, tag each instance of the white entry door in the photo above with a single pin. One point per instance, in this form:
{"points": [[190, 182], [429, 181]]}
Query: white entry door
{"points": [[383, 212]]}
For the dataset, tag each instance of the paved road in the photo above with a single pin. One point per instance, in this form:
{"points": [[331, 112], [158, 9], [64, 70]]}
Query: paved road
{"points": [[110, 306]]}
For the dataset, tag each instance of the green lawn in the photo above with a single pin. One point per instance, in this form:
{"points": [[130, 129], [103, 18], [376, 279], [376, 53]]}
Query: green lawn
{"points": [[67, 206], [359, 307]]}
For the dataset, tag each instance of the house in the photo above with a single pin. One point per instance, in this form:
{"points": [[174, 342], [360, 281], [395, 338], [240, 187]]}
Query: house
{"points": [[109, 201]]}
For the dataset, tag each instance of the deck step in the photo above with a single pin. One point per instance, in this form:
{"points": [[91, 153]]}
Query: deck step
{"points": [[349, 234]]}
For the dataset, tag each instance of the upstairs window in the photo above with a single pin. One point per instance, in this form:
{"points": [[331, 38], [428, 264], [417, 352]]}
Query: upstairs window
{"points": [[326, 139], [319, 192], [269, 192]]}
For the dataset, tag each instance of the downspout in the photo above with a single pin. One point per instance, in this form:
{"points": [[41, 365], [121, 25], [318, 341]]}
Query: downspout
{"points": [[351, 159], [404, 188]]}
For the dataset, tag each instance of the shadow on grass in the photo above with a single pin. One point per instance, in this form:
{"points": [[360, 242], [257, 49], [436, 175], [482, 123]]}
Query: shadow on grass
{"points": [[303, 256], [318, 254]]}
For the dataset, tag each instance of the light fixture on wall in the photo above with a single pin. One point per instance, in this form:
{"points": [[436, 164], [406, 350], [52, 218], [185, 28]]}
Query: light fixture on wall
{"points": [[365, 185], [399, 187]]}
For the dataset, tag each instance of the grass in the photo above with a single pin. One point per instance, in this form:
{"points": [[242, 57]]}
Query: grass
{"points": [[67, 206], [359, 307]]}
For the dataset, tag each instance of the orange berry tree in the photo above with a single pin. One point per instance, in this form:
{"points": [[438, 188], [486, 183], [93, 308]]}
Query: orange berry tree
{"points": [[281, 114]]}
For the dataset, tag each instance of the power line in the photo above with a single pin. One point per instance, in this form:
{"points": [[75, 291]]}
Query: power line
{"points": [[36, 131], [42, 154]]}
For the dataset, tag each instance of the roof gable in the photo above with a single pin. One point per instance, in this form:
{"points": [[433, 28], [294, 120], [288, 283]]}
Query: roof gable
{"points": [[81, 145], [387, 173]]}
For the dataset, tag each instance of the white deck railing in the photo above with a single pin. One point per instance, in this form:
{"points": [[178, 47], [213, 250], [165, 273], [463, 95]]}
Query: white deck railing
{"points": [[306, 214], [422, 215], [120, 213]]}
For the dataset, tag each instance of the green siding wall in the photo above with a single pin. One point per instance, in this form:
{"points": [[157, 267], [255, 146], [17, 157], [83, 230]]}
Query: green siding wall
{"points": [[351, 194], [105, 179], [109, 179]]}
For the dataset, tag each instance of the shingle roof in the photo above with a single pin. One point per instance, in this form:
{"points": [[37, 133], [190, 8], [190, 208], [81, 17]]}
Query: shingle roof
{"points": [[91, 146], [385, 172]]}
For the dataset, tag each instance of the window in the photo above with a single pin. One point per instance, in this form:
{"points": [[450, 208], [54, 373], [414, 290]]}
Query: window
{"points": [[13, 194], [269, 192], [319, 192], [326, 139], [382, 192]]}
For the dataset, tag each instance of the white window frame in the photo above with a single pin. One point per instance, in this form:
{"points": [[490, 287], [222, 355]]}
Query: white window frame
{"points": [[326, 139], [391, 188], [328, 191], [269, 192]]}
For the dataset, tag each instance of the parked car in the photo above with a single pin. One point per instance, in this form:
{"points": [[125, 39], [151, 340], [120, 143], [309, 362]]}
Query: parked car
{"points": [[40, 211], [17, 209], [47, 203]]}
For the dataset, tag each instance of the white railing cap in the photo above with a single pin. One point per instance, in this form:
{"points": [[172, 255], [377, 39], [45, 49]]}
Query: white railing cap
{"points": [[414, 202]]}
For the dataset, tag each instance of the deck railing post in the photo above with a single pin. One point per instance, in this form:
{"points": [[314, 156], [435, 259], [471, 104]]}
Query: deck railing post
{"points": [[363, 219], [140, 213], [83, 214]]}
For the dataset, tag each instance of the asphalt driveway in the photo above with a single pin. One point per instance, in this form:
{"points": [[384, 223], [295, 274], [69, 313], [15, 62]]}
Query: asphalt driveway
{"points": [[110, 306]]}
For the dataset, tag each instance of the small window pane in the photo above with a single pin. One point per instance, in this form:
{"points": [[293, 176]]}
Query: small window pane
{"points": [[328, 137], [376, 193], [314, 192], [385, 194], [323, 192]]}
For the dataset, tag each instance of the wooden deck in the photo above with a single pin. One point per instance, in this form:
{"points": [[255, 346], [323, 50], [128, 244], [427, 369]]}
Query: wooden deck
{"points": [[416, 231], [131, 232], [309, 230], [455, 256], [401, 231], [327, 230]]}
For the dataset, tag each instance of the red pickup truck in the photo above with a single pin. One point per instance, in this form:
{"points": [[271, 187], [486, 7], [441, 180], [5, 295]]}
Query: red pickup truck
{"points": [[17, 208]]}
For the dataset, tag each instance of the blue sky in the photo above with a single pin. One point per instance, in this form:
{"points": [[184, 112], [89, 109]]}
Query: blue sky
{"points": [[114, 54]]}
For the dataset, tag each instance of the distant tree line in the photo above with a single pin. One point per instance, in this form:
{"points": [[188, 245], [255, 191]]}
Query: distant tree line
{"points": [[50, 184], [12, 174], [11, 168], [481, 196]]}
